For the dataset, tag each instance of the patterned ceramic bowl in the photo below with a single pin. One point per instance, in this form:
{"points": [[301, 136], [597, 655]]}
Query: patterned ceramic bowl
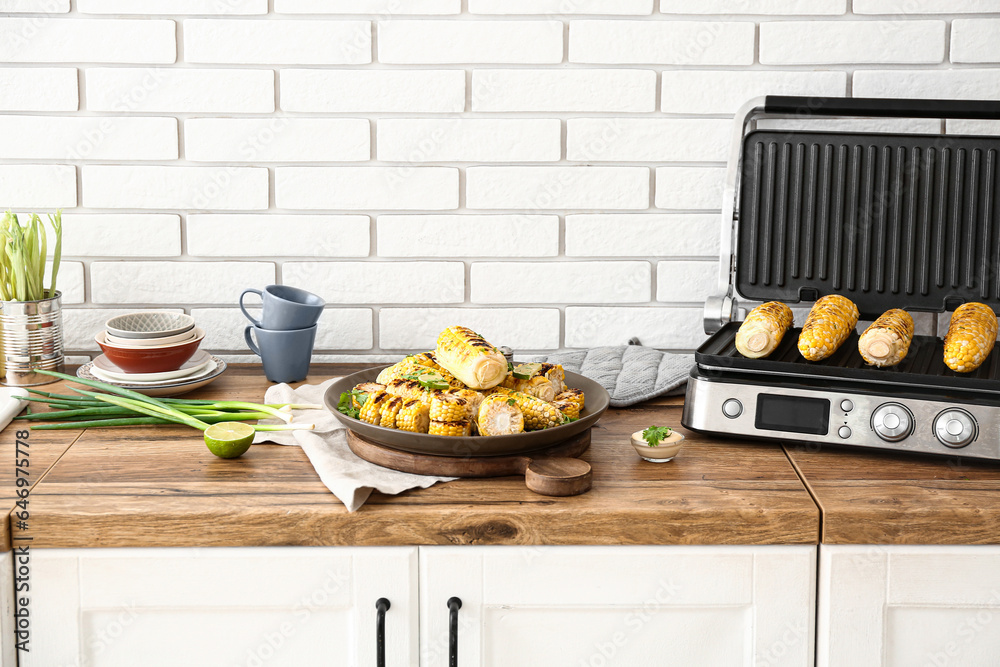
{"points": [[149, 324]]}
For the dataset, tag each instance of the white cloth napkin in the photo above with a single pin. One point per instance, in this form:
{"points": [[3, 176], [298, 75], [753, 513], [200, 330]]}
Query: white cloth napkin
{"points": [[348, 476], [11, 402]]}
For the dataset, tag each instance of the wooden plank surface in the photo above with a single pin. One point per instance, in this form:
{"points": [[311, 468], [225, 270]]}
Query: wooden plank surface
{"points": [[886, 498], [44, 447], [161, 487]]}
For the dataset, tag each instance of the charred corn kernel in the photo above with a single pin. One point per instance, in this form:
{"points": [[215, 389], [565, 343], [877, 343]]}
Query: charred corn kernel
{"points": [[538, 386], [555, 374], [389, 410], [458, 428], [537, 413], [365, 389], [414, 416], [830, 322], [970, 338], [887, 340], [372, 407], [498, 417], [467, 356], [568, 408], [448, 408], [473, 398], [424, 359], [763, 329], [574, 395]]}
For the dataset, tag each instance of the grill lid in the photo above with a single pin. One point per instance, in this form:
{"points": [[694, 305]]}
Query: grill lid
{"points": [[888, 221]]}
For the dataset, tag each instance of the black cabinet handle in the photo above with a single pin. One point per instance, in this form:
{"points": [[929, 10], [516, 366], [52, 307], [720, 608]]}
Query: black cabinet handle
{"points": [[383, 606], [454, 604]]}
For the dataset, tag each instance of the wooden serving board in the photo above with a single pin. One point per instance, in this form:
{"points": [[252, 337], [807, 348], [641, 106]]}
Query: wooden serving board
{"points": [[553, 471]]}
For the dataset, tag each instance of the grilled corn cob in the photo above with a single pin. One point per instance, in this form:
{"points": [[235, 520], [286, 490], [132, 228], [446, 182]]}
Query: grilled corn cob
{"points": [[414, 416], [970, 337], [370, 410], [472, 398], [537, 413], [830, 322], [467, 356], [405, 367], [763, 329], [365, 389], [568, 408], [538, 386], [555, 374], [457, 428], [389, 410], [574, 395], [887, 340], [448, 408], [409, 389], [499, 415], [424, 359]]}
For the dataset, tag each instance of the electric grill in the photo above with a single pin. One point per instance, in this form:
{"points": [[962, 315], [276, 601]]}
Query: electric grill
{"points": [[889, 221]]}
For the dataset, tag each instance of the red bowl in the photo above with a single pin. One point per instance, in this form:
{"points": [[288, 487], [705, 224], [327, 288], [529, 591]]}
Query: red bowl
{"points": [[149, 359]]}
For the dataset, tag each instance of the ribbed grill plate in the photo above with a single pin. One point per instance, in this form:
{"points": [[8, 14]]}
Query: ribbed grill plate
{"points": [[889, 221]]}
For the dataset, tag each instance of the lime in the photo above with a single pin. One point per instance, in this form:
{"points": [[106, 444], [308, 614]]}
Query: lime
{"points": [[228, 440]]}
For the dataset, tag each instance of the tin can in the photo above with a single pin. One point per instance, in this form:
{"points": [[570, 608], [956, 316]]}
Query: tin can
{"points": [[31, 339]]}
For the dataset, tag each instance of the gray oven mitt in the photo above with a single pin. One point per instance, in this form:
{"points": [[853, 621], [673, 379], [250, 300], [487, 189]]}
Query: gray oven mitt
{"points": [[630, 373]]}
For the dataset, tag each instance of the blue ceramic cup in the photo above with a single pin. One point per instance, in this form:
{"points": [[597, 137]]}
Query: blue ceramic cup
{"points": [[285, 354], [285, 308]]}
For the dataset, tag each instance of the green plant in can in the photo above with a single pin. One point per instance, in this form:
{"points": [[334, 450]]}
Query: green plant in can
{"points": [[22, 259]]}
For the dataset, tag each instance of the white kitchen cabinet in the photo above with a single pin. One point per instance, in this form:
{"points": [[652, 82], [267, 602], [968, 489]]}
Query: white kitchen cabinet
{"points": [[635, 606], [221, 607], [912, 606]]}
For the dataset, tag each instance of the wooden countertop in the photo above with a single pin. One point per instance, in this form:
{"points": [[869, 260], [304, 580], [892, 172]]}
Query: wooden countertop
{"points": [[887, 498], [161, 487]]}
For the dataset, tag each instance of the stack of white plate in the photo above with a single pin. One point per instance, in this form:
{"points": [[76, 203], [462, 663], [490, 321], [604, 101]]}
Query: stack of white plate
{"points": [[197, 372]]}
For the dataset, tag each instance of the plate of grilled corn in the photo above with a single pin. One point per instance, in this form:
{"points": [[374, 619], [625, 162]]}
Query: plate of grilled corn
{"points": [[464, 399]]}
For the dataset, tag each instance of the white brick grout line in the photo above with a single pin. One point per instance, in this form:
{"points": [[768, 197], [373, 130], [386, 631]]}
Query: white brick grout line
{"points": [[442, 160]]}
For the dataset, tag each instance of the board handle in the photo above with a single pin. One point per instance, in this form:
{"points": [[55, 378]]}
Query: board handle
{"points": [[558, 476]]}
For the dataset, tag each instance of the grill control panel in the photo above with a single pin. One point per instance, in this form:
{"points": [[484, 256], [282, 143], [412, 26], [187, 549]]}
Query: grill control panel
{"points": [[853, 417]]}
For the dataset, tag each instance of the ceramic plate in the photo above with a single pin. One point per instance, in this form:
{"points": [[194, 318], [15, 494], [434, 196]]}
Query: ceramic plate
{"points": [[106, 377], [191, 367], [169, 388], [596, 397]]}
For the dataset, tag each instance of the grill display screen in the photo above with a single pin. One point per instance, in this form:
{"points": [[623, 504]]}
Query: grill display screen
{"points": [[793, 413]]}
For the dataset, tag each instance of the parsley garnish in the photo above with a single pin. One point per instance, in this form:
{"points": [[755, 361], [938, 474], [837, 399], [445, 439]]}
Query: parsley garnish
{"points": [[654, 434]]}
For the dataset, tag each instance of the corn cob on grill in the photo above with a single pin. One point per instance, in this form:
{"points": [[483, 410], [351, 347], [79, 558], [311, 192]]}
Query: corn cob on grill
{"points": [[568, 408], [497, 416], [970, 338], [538, 386], [887, 340], [370, 411], [456, 428], [389, 410], [763, 329], [830, 322], [414, 416], [467, 356], [537, 413]]}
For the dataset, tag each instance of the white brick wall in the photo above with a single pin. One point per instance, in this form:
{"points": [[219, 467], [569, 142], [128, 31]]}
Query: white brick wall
{"points": [[421, 163]]}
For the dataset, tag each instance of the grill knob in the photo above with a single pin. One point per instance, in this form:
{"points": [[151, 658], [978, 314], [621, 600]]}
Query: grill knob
{"points": [[955, 428], [892, 422]]}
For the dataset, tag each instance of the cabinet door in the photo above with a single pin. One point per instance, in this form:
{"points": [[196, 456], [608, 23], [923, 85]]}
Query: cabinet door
{"points": [[630, 606], [294, 607], [903, 606]]}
